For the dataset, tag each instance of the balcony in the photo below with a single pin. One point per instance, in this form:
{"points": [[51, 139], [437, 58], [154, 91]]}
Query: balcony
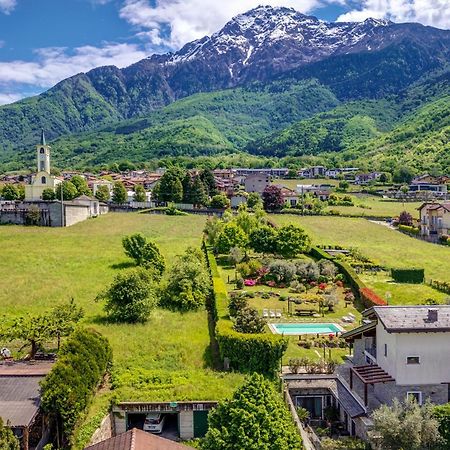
{"points": [[371, 353]]}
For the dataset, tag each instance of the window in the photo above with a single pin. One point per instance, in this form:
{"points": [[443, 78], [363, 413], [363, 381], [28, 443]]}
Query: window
{"points": [[412, 360], [416, 395], [42, 150], [42, 166], [44, 180], [385, 350], [312, 404]]}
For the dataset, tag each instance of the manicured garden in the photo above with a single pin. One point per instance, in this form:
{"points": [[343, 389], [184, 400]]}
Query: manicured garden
{"points": [[383, 247]]}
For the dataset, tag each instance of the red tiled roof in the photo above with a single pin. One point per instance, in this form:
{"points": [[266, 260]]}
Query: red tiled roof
{"points": [[137, 440]]}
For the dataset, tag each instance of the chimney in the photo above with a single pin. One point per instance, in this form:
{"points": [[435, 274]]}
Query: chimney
{"points": [[432, 315]]}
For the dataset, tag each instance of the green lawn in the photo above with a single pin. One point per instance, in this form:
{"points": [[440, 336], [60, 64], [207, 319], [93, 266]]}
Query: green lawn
{"points": [[371, 205], [384, 246], [165, 359]]}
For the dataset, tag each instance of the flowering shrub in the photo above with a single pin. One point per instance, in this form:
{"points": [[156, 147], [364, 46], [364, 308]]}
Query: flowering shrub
{"points": [[271, 283], [369, 298], [249, 282], [322, 286], [339, 283]]}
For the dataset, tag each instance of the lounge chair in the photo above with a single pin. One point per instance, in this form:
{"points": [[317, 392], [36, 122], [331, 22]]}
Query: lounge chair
{"points": [[352, 316], [278, 313], [347, 319], [272, 314], [265, 313]]}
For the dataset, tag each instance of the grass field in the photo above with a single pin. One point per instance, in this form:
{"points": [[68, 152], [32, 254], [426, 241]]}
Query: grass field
{"points": [[382, 245], [165, 359]]}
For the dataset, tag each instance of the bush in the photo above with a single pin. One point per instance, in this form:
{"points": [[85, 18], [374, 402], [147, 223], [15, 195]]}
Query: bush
{"points": [[415, 276], [145, 253], [236, 304], [342, 444], [131, 296], [240, 283], [68, 389], [410, 230], [405, 218], [442, 414], [220, 201], [283, 271], [248, 321], [187, 284]]}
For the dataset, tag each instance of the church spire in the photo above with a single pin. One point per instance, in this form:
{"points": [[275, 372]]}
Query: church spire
{"points": [[43, 137]]}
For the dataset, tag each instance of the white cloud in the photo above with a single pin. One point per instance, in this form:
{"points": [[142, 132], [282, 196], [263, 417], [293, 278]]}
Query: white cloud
{"points": [[6, 6], [9, 98], [427, 12], [192, 19], [56, 63]]}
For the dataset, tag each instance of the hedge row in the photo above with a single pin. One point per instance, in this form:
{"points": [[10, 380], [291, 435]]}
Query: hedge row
{"points": [[410, 230], [367, 296], [69, 388], [442, 286], [260, 353], [412, 275]]}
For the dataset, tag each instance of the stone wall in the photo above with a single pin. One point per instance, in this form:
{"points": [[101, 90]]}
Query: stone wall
{"points": [[103, 432], [386, 392]]}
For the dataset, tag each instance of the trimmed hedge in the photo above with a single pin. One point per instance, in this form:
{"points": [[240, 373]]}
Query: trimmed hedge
{"points": [[409, 230], [412, 275], [260, 353], [369, 298], [70, 386]]}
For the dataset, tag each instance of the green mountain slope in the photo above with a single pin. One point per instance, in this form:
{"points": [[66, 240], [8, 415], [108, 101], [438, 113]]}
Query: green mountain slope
{"points": [[202, 124]]}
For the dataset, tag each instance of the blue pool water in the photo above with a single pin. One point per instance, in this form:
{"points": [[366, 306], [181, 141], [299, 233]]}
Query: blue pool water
{"points": [[305, 328]]}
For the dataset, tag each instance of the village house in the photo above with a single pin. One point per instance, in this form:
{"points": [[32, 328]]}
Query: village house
{"points": [[256, 182], [276, 172], [438, 186], [321, 192], [20, 401], [364, 178], [434, 219], [399, 352], [313, 172]]}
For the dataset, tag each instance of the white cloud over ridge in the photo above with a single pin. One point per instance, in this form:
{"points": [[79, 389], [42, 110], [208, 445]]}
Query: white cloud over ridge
{"points": [[428, 12], [56, 63]]}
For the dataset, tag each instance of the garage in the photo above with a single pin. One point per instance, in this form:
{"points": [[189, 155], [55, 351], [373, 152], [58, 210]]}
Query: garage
{"points": [[180, 420]]}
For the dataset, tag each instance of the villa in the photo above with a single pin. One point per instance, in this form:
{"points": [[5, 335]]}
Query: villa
{"points": [[399, 352]]}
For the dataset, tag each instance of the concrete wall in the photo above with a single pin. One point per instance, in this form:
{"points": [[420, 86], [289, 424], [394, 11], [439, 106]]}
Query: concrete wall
{"points": [[186, 419], [387, 363]]}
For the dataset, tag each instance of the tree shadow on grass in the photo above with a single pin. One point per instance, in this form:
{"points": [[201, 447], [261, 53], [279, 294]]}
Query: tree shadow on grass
{"points": [[103, 320], [123, 265]]}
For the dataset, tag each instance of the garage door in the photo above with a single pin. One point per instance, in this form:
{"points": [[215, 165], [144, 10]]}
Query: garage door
{"points": [[200, 423]]}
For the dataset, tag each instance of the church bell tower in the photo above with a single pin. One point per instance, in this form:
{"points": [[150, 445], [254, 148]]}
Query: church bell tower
{"points": [[43, 155]]}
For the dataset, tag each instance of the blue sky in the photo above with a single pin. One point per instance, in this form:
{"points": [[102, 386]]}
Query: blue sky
{"points": [[45, 41]]}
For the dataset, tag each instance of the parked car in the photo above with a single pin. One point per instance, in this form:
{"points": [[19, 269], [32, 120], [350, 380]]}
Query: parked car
{"points": [[154, 422]]}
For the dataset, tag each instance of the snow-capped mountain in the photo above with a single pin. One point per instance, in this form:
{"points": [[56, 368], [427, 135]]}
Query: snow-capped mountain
{"points": [[370, 59], [250, 36]]}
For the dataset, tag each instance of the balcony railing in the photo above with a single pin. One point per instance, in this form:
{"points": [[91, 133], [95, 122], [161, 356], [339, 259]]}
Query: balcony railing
{"points": [[372, 351]]}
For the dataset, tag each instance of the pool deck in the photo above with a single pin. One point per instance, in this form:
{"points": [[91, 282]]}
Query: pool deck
{"points": [[296, 333]]}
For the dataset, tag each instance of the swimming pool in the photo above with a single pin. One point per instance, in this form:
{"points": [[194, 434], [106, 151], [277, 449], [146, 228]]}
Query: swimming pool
{"points": [[305, 328]]}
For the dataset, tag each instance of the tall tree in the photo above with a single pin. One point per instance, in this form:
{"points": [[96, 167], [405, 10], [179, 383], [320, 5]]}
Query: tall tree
{"points": [[48, 194], [68, 189], [231, 235], [272, 198], [198, 192], [405, 426], [209, 181], [170, 188], [81, 185], [119, 194], [10, 192], [139, 193], [102, 194], [254, 418], [264, 239], [291, 241]]}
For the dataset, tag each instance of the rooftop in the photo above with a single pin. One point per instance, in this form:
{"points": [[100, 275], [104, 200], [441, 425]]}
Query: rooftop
{"points": [[402, 319], [19, 399], [137, 440]]}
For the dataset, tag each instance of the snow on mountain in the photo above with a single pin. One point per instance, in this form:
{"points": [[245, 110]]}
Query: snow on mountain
{"points": [[259, 32]]}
